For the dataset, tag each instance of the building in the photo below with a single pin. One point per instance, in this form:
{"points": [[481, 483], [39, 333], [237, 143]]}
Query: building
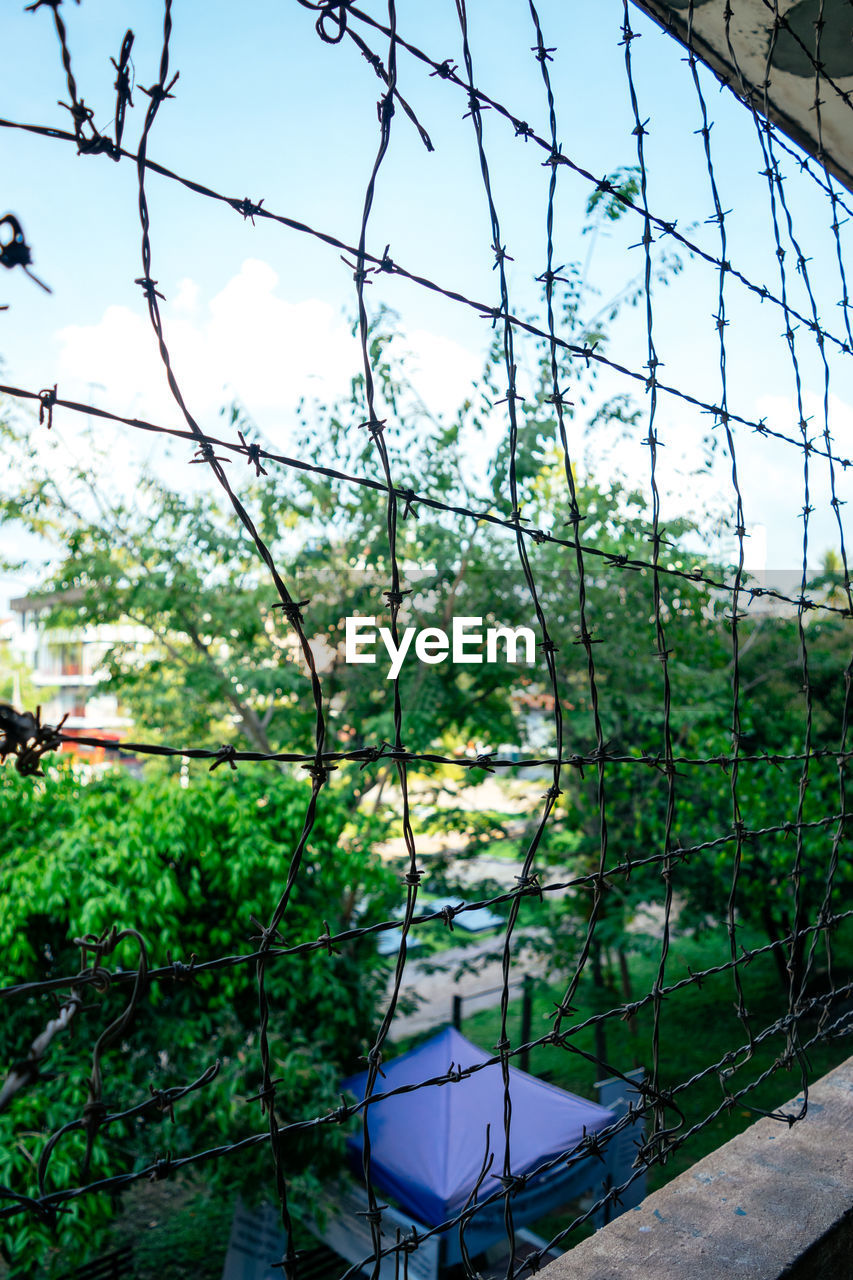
{"points": [[65, 664]]}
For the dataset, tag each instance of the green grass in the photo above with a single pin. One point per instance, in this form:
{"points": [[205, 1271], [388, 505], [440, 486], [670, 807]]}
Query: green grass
{"points": [[506, 850], [698, 1027]]}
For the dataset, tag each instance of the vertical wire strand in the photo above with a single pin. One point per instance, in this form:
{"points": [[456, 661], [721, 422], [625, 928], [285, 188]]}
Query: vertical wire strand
{"points": [[773, 179], [660, 1132], [825, 910], [740, 530], [158, 93], [547, 644], [395, 596]]}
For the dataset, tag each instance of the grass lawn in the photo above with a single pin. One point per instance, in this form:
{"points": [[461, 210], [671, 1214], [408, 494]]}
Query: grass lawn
{"points": [[698, 1027]]}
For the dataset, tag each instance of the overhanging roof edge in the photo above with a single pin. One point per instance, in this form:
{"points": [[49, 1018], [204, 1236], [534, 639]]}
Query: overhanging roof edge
{"points": [[676, 26]]}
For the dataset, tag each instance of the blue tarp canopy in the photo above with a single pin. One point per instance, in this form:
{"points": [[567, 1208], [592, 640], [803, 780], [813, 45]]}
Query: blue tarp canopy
{"points": [[427, 1146]]}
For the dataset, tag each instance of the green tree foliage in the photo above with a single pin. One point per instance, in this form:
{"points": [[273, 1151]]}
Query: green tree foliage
{"points": [[187, 867], [220, 661], [191, 870], [772, 792], [221, 664]]}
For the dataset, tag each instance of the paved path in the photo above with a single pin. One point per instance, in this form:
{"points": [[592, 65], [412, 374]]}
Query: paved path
{"points": [[480, 990]]}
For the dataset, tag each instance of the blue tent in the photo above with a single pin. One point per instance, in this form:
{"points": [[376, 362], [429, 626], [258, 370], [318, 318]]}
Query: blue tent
{"points": [[427, 1146]]}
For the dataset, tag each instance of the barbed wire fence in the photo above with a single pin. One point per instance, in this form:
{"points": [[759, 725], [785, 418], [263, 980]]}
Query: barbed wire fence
{"points": [[807, 1019]]}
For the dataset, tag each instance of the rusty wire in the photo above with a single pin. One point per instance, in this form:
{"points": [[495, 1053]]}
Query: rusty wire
{"points": [[255, 453], [26, 740]]}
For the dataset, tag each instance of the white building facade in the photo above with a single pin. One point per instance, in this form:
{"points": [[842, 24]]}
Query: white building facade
{"points": [[67, 663]]}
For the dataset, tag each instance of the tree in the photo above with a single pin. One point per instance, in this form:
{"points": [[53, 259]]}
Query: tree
{"points": [[222, 665], [222, 661], [16, 684], [774, 790], [173, 558], [188, 869]]}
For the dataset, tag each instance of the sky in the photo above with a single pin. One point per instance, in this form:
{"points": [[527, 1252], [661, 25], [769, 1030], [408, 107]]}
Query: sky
{"points": [[262, 314]]}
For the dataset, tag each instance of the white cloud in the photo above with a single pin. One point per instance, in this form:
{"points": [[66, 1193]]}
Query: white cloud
{"points": [[441, 371], [246, 342], [187, 297]]}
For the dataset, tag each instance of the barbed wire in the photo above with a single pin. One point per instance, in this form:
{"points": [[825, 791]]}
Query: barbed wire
{"points": [[660, 1115], [446, 71], [487, 762], [256, 453], [385, 264], [587, 351]]}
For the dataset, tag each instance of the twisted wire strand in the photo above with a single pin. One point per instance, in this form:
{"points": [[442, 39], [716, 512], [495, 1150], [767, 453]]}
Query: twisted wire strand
{"points": [[663, 1105]]}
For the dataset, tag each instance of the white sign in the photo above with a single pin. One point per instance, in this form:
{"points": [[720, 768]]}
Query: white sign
{"points": [[432, 644]]}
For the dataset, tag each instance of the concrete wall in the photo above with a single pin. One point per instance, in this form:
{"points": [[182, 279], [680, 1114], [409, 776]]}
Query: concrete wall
{"points": [[773, 1202]]}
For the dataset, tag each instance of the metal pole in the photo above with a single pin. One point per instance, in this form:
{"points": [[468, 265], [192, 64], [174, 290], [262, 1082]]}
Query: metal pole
{"points": [[526, 1019], [457, 1012]]}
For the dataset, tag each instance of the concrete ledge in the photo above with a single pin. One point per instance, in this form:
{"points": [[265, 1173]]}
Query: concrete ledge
{"points": [[772, 1202]]}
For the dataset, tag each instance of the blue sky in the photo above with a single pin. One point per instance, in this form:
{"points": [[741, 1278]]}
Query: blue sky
{"points": [[263, 108]]}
